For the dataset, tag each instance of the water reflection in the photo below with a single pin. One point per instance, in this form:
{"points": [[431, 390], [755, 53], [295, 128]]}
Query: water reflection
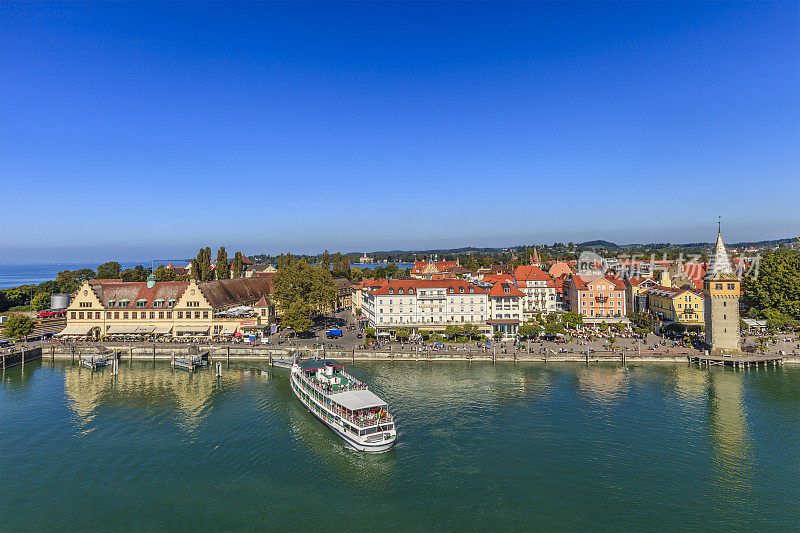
{"points": [[156, 391], [728, 427], [607, 385]]}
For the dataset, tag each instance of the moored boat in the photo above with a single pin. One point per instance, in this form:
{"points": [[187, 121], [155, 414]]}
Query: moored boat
{"points": [[344, 404]]}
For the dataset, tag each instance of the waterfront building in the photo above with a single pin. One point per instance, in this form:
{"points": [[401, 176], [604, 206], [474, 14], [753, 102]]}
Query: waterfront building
{"points": [[636, 293], [539, 290], [675, 304], [721, 290], [505, 309], [596, 296], [357, 293], [429, 305], [104, 307]]}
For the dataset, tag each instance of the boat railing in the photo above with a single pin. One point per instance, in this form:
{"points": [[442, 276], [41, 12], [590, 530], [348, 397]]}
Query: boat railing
{"points": [[360, 421]]}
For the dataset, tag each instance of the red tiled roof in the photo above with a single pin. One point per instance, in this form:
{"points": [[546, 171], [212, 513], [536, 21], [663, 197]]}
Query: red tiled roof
{"points": [[504, 289], [582, 282], [494, 278], [670, 292], [456, 284], [442, 266], [560, 269], [133, 291]]}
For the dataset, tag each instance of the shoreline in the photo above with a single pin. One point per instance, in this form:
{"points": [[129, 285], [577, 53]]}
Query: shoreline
{"points": [[268, 354]]}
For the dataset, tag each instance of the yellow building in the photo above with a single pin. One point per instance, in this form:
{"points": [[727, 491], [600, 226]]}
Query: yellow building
{"points": [[672, 304], [109, 307]]}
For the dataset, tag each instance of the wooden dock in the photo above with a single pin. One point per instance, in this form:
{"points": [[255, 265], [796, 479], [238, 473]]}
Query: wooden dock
{"points": [[737, 361], [96, 361], [191, 362]]}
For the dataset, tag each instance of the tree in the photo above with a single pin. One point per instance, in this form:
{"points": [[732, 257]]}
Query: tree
{"points": [[775, 285], [529, 329], [402, 334], [237, 265], [498, 335], [369, 333], [18, 326], [109, 270], [41, 301], [554, 328], [194, 271], [222, 268], [452, 331], [303, 290], [470, 330], [572, 319], [138, 273], [164, 274], [205, 266], [356, 274], [325, 260]]}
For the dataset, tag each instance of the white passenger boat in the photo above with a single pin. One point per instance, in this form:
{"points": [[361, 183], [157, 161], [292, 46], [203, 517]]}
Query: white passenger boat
{"points": [[344, 404]]}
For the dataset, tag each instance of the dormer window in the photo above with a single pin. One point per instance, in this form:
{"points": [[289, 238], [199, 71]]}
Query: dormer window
{"points": [[158, 303], [399, 291], [391, 291], [471, 290], [122, 303], [450, 290], [461, 290], [141, 302], [111, 303], [410, 290], [171, 302]]}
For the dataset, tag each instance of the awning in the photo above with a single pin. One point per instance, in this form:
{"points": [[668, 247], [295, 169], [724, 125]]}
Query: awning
{"points": [[357, 399], [141, 330], [228, 329], [160, 330], [191, 329], [120, 330], [76, 329], [253, 326]]}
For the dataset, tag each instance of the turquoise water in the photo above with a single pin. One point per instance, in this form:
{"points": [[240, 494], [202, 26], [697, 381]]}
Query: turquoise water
{"points": [[34, 273], [481, 447]]}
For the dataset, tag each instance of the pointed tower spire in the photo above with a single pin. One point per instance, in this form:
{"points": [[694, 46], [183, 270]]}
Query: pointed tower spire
{"points": [[720, 264]]}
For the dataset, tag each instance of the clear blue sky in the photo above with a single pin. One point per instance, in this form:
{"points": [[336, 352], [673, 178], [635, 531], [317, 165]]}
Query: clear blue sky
{"points": [[149, 130]]}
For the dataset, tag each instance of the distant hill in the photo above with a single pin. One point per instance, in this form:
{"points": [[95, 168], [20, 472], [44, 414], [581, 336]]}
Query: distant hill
{"points": [[599, 244]]}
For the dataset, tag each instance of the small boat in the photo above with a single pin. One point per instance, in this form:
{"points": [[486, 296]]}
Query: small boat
{"points": [[344, 404]]}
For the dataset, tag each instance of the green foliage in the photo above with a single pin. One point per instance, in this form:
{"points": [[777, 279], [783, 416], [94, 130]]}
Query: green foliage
{"points": [[675, 327], [641, 321], [530, 329], [426, 335], [194, 270], [776, 287], [138, 273], [390, 271], [369, 333], [302, 292], [572, 319], [222, 268], [498, 335], [553, 328], [109, 270], [238, 265], [603, 326], [356, 274], [204, 259], [41, 301], [18, 326], [552, 318], [402, 334], [470, 331], [325, 260], [164, 274]]}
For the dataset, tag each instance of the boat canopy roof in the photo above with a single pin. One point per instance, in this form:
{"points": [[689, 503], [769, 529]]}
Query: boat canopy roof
{"points": [[357, 399], [313, 364]]}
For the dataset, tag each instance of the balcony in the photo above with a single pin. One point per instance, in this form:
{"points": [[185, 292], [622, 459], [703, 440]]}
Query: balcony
{"points": [[601, 299]]}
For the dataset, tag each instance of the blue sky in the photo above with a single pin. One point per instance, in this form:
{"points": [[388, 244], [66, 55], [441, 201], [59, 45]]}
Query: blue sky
{"points": [[149, 130]]}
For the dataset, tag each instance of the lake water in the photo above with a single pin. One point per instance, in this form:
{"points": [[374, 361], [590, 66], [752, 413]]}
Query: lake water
{"points": [[32, 273], [481, 447]]}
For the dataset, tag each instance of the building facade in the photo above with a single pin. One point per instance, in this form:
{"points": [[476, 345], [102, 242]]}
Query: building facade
{"points": [[429, 305], [538, 288], [597, 297], [678, 305], [104, 307], [505, 309], [636, 297]]}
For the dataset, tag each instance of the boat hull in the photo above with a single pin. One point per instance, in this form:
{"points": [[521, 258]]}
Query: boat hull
{"points": [[376, 447]]}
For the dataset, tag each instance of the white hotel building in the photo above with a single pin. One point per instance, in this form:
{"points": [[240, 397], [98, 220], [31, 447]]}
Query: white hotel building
{"points": [[429, 305]]}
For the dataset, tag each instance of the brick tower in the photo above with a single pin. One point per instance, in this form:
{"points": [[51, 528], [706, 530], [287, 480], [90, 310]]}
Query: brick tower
{"points": [[721, 289]]}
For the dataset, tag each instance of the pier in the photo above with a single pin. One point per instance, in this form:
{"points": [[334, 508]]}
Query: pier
{"points": [[19, 356], [191, 362], [741, 361]]}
